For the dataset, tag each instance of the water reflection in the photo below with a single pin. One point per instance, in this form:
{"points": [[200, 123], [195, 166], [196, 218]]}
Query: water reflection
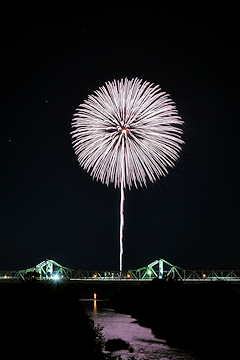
{"points": [[95, 306], [146, 346], [95, 303]]}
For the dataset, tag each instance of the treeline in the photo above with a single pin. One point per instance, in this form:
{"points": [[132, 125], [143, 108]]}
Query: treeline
{"points": [[203, 318]]}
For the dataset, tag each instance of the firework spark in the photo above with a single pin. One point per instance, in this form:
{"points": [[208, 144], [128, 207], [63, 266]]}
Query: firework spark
{"points": [[126, 133]]}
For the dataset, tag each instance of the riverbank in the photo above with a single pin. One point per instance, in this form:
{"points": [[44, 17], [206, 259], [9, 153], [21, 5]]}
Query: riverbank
{"points": [[40, 319], [203, 318], [49, 318]]}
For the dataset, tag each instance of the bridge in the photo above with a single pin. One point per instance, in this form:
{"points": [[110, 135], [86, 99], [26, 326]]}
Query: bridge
{"points": [[158, 269]]}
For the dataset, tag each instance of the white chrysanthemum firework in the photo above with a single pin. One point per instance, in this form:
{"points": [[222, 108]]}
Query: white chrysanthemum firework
{"points": [[130, 122], [128, 131]]}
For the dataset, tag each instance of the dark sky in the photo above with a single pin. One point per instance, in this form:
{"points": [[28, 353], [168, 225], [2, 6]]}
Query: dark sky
{"points": [[53, 54]]}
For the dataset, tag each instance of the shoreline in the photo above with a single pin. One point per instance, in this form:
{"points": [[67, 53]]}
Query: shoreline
{"points": [[198, 318]]}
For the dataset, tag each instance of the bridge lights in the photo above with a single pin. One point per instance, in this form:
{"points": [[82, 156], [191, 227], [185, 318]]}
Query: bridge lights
{"points": [[56, 277], [204, 276], [95, 276], [128, 276]]}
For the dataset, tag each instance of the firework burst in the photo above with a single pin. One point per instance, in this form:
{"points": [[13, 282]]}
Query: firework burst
{"points": [[128, 131]]}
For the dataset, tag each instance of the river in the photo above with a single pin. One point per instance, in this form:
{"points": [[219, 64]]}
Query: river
{"points": [[145, 345]]}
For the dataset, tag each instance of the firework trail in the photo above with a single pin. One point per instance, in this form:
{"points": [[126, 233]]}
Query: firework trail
{"points": [[126, 133]]}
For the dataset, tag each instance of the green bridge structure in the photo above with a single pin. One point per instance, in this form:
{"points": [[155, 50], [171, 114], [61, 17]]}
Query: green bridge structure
{"points": [[50, 270]]}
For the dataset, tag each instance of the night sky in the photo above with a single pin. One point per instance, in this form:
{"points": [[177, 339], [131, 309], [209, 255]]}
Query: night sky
{"points": [[53, 54]]}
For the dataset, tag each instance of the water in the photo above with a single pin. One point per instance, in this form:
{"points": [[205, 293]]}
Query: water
{"points": [[146, 346]]}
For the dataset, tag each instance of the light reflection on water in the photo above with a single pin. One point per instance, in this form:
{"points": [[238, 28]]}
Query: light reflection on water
{"points": [[146, 346]]}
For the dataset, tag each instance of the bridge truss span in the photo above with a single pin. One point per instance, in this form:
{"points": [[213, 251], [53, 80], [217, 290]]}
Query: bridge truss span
{"points": [[158, 269], [211, 275]]}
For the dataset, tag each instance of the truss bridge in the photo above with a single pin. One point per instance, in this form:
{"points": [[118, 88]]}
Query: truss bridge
{"points": [[158, 269]]}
